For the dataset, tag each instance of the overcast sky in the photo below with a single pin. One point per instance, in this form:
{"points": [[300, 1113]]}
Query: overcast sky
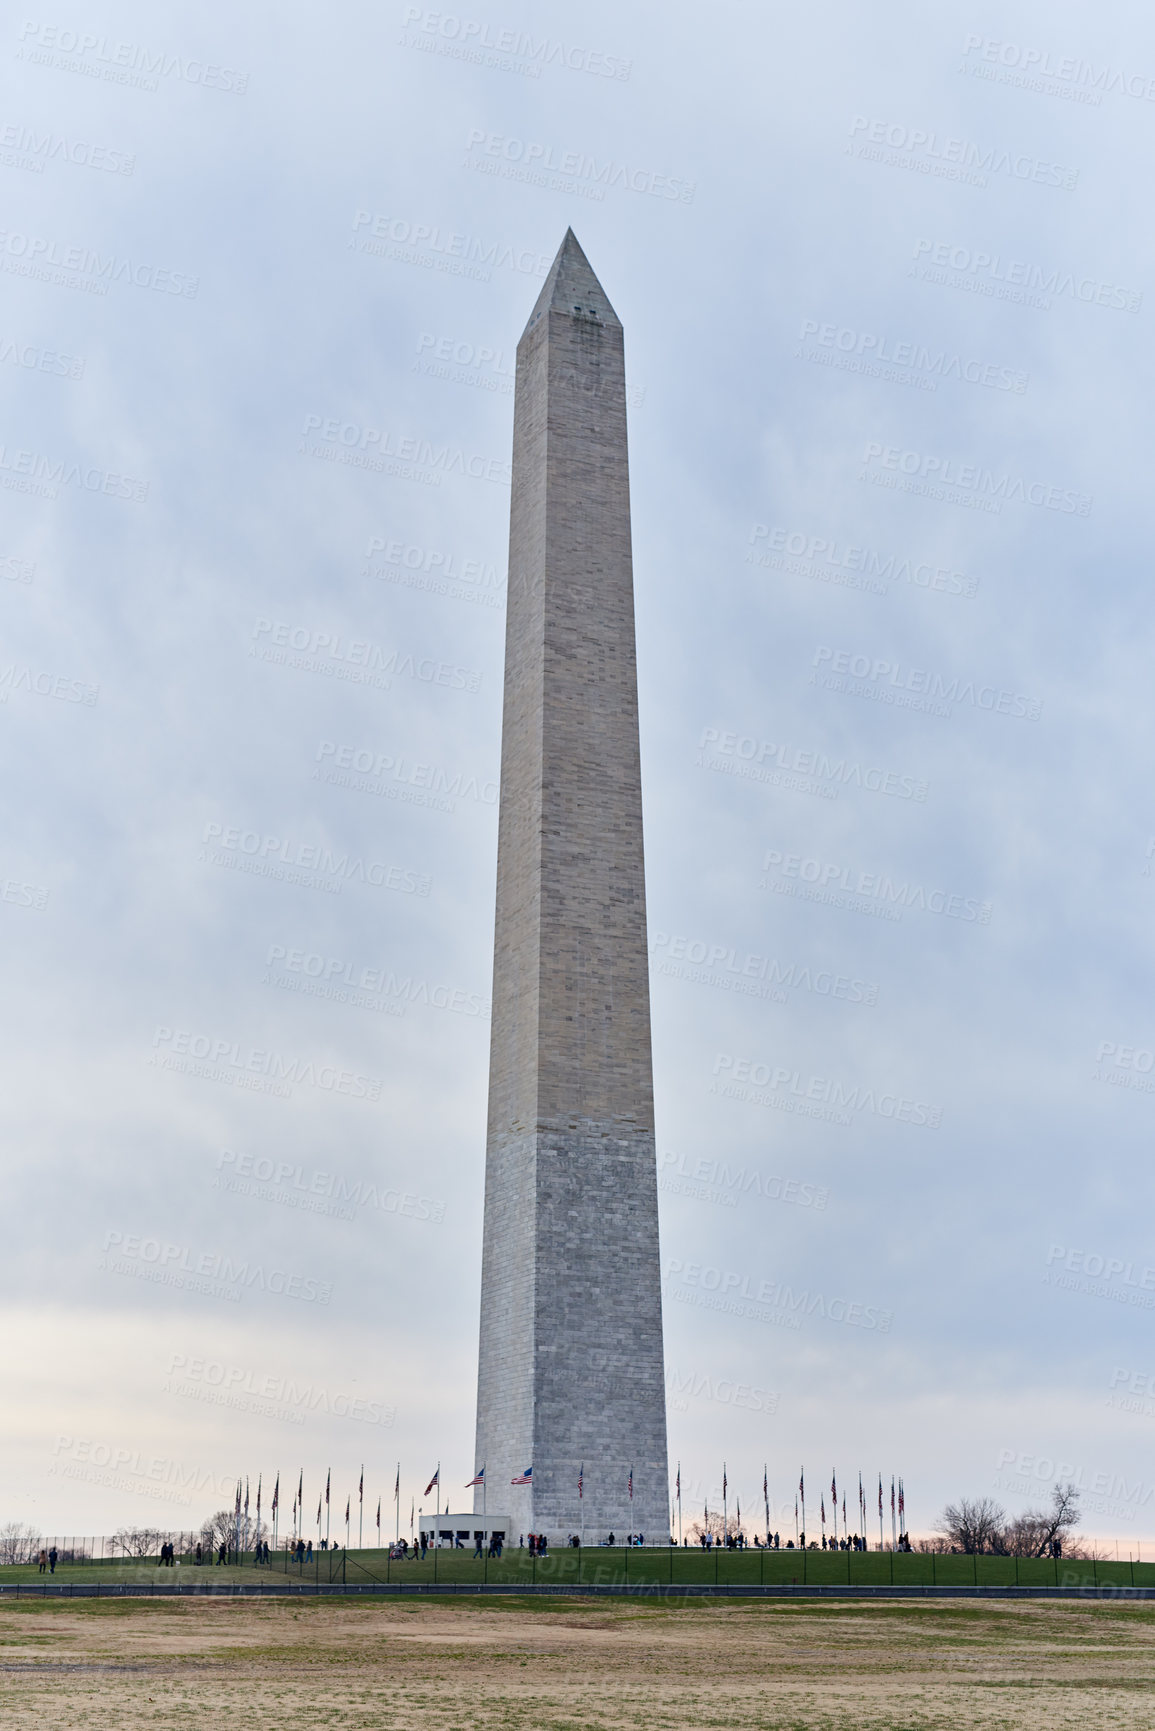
{"points": [[886, 283]]}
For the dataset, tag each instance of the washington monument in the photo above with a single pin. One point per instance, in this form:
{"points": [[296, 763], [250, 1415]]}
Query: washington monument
{"points": [[570, 1377]]}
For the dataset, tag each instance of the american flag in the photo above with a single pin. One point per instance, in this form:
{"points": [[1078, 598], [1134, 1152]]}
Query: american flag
{"points": [[277, 1494], [524, 1478], [378, 1517], [581, 1481], [328, 1475], [631, 1484], [480, 1479], [361, 1487], [435, 1480]]}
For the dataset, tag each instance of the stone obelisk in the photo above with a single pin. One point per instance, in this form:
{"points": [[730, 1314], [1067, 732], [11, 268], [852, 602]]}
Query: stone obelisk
{"points": [[570, 1377]]}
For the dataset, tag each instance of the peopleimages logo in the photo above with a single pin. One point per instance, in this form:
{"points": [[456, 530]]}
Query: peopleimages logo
{"points": [[919, 472], [277, 857], [316, 1192], [869, 351], [432, 248], [1125, 1066], [37, 148], [228, 1385], [483, 45], [121, 62], [572, 170], [178, 1265], [790, 767], [828, 881], [890, 682], [345, 981], [1031, 66], [814, 1096], [932, 153], [355, 659], [831, 561], [742, 1295], [1002, 278], [79, 266], [721, 964], [227, 1060]]}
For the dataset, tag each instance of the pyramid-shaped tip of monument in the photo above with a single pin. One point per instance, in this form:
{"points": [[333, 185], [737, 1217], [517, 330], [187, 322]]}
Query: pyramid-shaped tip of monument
{"points": [[571, 287]]}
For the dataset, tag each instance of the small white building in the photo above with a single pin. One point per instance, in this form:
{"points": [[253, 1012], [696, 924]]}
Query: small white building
{"points": [[461, 1532]]}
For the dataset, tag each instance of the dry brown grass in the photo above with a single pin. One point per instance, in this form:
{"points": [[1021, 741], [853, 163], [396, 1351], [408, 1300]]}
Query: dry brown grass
{"points": [[501, 1665]]}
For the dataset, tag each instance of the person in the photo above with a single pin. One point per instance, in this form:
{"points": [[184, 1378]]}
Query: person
{"points": [[610, 1540], [477, 1544], [52, 1556], [309, 1551], [222, 1555], [424, 1545], [199, 1554], [775, 1541], [43, 1561]]}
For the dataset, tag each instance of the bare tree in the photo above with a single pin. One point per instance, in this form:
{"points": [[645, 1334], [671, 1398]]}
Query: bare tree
{"points": [[1037, 1531], [220, 1529], [140, 1541], [18, 1543], [980, 1525], [223, 1529], [973, 1524], [714, 1527]]}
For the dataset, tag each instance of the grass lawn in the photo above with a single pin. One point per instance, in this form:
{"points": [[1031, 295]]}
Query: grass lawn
{"points": [[515, 1664], [602, 1565]]}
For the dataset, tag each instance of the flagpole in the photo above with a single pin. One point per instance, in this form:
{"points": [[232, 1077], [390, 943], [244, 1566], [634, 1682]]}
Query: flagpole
{"points": [[679, 1505], [893, 1532], [766, 1501], [723, 1503], [802, 1494], [397, 1500], [881, 1540], [361, 1510]]}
